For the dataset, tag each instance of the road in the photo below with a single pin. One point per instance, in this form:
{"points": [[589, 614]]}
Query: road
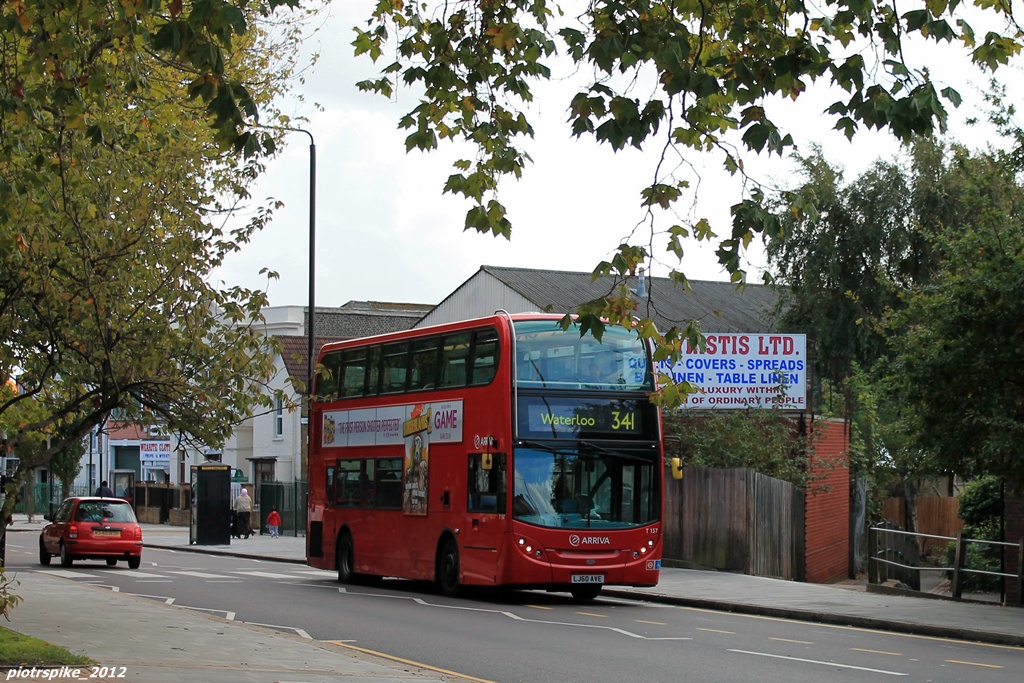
{"points": [[533, 636]]}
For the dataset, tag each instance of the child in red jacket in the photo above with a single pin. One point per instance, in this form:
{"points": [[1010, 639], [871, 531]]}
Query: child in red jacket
{"points": [[273, 522]]}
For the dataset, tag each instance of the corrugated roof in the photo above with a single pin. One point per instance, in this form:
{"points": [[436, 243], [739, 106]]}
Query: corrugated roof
{"points": [[718, 306]]}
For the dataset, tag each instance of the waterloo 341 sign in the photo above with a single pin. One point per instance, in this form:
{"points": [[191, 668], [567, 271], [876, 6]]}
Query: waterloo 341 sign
{"points": [[738, 371]]}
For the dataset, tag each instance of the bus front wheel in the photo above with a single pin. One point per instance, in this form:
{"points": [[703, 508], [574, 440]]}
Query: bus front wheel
{"points": [[448, 569], [346, 559]]}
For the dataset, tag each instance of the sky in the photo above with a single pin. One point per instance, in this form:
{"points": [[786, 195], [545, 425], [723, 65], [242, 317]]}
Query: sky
{"points": [[385, 231]]}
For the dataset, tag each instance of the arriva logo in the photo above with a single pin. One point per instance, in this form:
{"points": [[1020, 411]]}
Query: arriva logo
{"points": [[576, 540]]}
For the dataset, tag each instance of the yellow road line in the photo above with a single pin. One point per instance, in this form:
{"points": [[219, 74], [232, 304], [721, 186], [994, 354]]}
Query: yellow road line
{"points": [[877, 652], [410, 662], [655, 623], [715, 630], [540, 607], [987, 666], [798, 642], [590, 614]]}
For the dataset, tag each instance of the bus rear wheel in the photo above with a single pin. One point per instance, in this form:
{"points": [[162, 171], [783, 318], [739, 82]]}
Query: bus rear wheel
{"points": [[448, 569], [346, 559], [585, 593]]}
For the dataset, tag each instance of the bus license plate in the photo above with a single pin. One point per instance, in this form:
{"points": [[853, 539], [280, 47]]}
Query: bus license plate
{"points": [[588, 578]]}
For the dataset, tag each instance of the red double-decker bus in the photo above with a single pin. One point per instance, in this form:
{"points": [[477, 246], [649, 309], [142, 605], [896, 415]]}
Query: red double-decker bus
{"points": [[500, 451]]}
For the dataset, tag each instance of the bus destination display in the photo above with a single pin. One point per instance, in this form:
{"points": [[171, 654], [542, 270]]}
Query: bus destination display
{"points": [[548, 417]]}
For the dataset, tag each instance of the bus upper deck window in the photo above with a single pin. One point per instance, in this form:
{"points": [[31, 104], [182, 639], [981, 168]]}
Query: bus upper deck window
{"points": [[454, 358], [485, 356]]}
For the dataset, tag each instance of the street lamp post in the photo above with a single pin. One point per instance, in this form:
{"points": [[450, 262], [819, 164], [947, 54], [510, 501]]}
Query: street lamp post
{"points": [[312, 266], [310, 332]]}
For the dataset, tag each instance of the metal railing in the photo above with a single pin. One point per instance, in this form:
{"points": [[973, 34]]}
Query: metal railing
{"points": [[289, 499], [891, 552]]}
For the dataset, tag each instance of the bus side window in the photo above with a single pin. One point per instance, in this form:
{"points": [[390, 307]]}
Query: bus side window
{"points": [[424, 364], [327, 387], [485, 356], [389, 483], [353, 373], [454, 355], [486, 485], [329, 483], [373, 371], [394, 367], [347, 486], [366, 484]]}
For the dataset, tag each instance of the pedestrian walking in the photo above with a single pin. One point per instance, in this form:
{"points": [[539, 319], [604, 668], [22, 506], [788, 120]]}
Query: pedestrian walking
{"points": [[103, 491], [243, 506], [273, 523]]}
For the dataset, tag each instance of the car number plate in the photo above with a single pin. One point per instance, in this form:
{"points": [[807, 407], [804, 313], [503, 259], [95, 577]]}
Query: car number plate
{"points": [[588, 578], [106, 533]]}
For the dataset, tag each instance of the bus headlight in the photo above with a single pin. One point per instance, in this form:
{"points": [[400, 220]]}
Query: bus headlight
{"points": [[528, 547]]}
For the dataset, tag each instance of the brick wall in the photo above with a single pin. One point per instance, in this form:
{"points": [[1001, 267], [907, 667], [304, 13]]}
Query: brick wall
{"points": [[1014, 512], [827, 512]]}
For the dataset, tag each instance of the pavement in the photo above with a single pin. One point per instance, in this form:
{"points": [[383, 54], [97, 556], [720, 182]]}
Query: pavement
{"points": [[152, 642]]}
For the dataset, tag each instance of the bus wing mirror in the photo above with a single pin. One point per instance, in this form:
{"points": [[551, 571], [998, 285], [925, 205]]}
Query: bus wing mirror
{"points": [[677, 468], [486, 461]]}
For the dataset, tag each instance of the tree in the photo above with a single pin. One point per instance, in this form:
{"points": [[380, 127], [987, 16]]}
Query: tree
{"points": [[956, 357], [841, 265], [66, 465], [764, 440], [113, 183], [697, 78], [62, 55]]}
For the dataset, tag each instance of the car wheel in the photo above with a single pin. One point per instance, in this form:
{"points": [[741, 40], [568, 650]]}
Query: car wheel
{"points": [[346, 559], [586, 593], [44, 557], [111, 561], [448, 569], [135, 561], [65, 557]]}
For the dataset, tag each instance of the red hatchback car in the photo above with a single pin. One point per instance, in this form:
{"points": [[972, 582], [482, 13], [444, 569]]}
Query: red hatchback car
{"points": [[92, 529]]}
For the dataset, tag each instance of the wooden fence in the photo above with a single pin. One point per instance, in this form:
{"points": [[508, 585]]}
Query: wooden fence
{"points": [[735, 520], [936, 515]]}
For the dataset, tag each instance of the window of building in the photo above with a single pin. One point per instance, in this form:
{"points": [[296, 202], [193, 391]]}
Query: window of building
{"points": [[278, 417]]}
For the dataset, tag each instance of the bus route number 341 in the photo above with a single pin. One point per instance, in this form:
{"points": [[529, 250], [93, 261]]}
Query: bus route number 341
{"points": [[588, 578], [626, 421]]}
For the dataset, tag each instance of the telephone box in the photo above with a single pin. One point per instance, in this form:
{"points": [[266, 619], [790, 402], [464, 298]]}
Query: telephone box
{"points": [[211, 505]]}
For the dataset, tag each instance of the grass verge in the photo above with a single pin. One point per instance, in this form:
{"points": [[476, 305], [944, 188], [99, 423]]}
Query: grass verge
{"points": [[18, 650]]}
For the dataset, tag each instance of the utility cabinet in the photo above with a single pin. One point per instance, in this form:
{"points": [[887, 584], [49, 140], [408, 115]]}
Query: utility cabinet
{"points": [[211, 505]]}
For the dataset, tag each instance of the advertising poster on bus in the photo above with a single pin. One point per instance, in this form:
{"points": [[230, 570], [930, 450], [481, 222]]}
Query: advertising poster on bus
{"points": [[416, 430], [738, 371], [414, 427]]}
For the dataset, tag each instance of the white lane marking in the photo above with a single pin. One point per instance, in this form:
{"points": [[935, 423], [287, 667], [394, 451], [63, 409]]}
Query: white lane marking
{"points": [[68, 574], [265, 575], [199, 575], [134, 574], [815, 661], [299, 631]]}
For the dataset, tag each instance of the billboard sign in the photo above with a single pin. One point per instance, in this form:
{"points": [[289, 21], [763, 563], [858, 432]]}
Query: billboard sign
{"points": [[150, 451], [746, 370]]}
